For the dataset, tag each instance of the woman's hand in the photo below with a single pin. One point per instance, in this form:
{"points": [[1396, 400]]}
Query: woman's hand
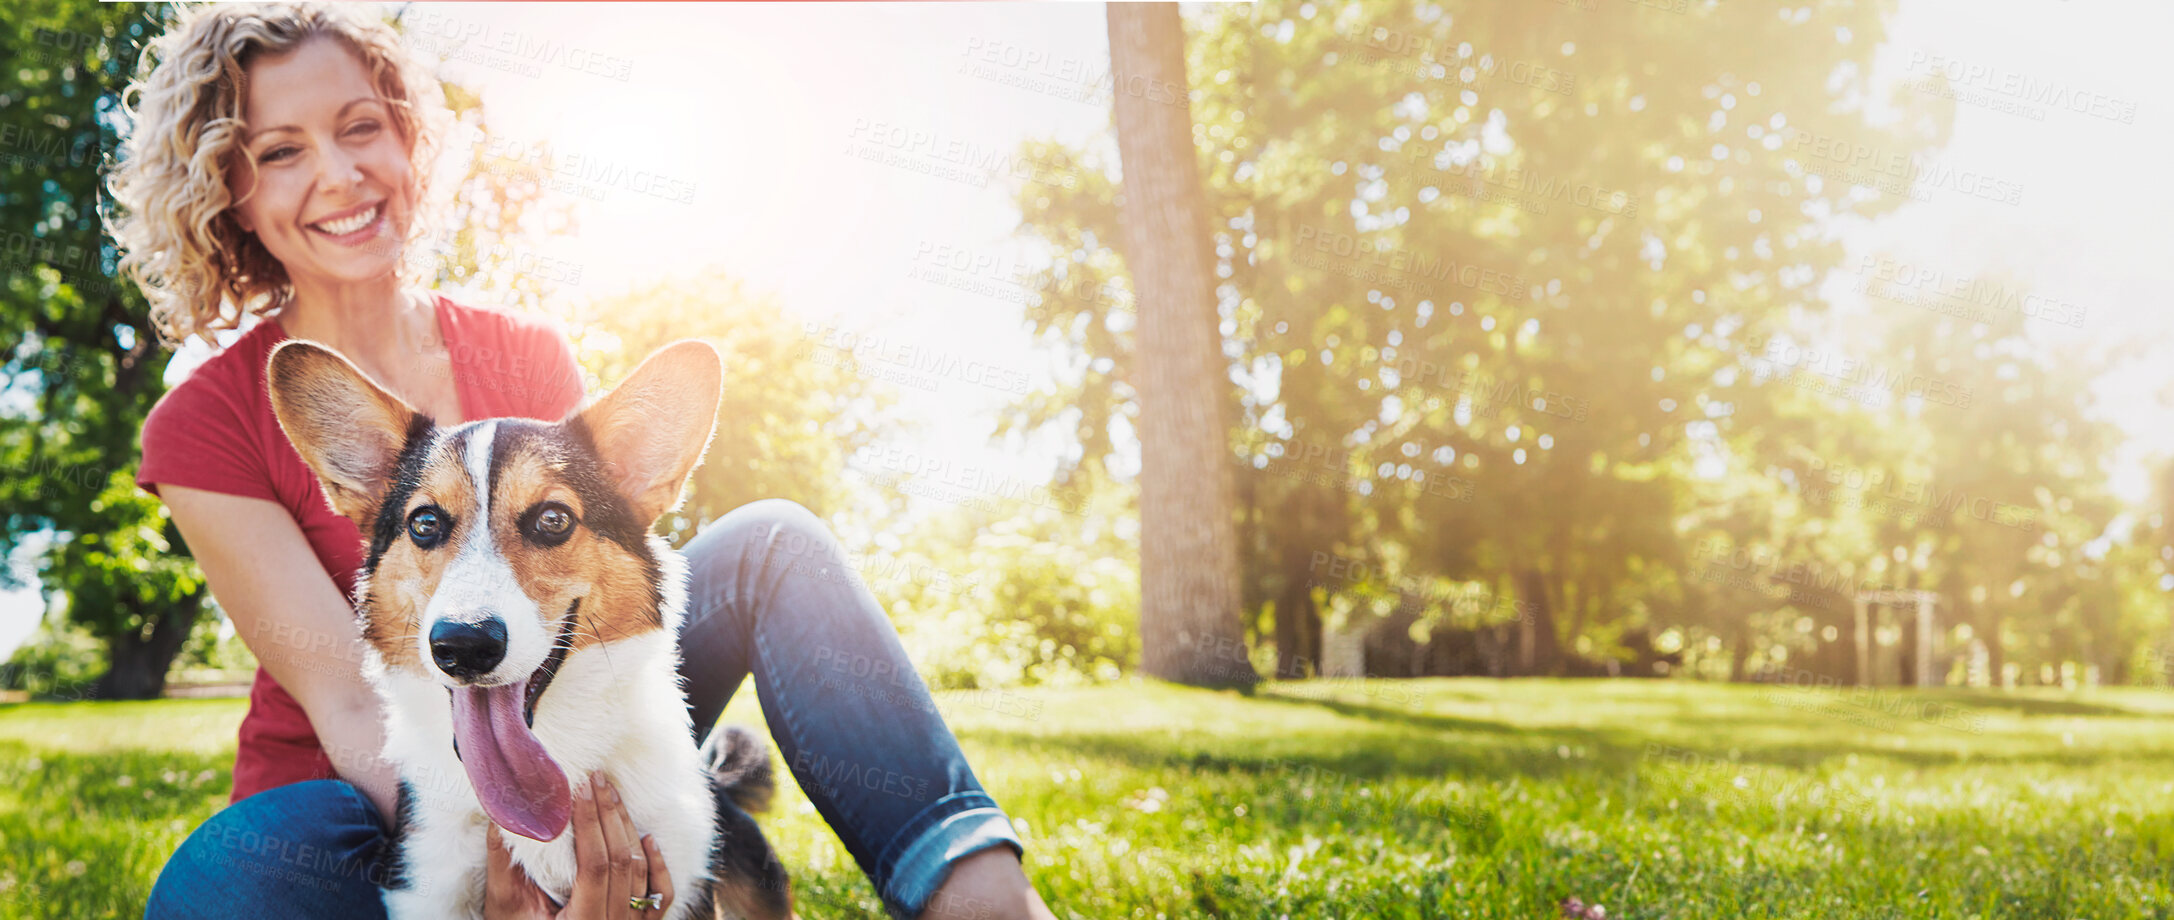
{"points": [[613, 862]]}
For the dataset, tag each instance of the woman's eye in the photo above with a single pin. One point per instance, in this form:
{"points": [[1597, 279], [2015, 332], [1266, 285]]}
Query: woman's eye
{"points": [[277, 154], [426, 527], [361, 128]]}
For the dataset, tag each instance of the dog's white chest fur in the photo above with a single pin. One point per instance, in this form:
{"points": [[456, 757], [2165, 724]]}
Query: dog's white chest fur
{"points": [[616, 708]]}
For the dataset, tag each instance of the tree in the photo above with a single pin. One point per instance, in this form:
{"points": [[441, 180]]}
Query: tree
{"points": [[1484, 270], [121, 569], [794, 409], [80, 361], [1189, 591]]}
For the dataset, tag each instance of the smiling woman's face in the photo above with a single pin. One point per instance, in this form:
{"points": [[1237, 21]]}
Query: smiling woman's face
{"points": [[334, 189]]}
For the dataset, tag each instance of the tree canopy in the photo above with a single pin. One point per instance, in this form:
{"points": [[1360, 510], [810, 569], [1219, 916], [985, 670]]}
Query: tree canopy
{"points": [[1522, 303]]}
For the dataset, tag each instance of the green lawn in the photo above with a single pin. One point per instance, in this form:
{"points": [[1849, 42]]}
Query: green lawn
{"points": [[1440, 798]]}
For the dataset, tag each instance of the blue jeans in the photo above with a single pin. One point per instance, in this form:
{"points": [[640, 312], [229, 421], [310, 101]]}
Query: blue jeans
{"points": [[771, 593]]}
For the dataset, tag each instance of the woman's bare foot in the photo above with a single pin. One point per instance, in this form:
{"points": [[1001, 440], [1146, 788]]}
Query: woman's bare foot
{"points": [[988, 885]]}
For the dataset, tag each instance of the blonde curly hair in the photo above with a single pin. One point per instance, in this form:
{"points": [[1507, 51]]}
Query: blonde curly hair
{"points": [[173, 213]]}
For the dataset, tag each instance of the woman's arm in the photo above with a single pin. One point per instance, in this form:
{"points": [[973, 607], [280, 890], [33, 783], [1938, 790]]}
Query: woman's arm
{"points": [[291, 615]]}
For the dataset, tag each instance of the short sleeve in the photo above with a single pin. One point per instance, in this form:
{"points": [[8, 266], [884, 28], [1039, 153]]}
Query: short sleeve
{"points": [[195, 438], [562, 389]]}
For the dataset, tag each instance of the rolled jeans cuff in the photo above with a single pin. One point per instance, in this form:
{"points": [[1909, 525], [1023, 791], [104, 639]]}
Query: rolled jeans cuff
{"points": [[955, 827]]}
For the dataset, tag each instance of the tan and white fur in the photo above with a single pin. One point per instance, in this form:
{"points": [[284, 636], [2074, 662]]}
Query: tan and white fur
{"points": [[606, 589]]}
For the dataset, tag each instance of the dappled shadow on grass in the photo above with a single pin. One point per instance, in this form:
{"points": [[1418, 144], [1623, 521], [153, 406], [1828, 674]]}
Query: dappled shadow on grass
{"points": [[1914, 864], [91, 831], [1808, 756], [1965, 699], [1369, 739], [1374, 758], [1369, 806], [1937, 727], [1424, 721], [1227, 894], [200, 726], [1822, 736], [1378, 742], [2025, 705], [1634, 739], [140, 786]]}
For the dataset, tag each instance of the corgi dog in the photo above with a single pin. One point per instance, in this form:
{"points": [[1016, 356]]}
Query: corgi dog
{"points": [[521, 624]]}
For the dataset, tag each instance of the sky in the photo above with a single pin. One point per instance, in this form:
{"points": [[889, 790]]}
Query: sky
{"points": [[2089, 227], [840, 158], [855, 162]]}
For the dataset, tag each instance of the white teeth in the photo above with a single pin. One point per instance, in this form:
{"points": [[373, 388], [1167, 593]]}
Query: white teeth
{"points": [[348, 225]]}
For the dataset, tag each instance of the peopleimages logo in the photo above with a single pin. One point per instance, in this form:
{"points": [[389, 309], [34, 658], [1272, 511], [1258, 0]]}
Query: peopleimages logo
{"points": [[586, 175], [951, 157], [1463, 599], [523, 52], [1495, 181], [1069, 78], [1318, 464], [1849, 485], [1403, 263], [1897, 172], [1488, 394], [1759, 567], [1784, 360], [1967, 296], [944, 479], [2021, 87], [917, 361]]}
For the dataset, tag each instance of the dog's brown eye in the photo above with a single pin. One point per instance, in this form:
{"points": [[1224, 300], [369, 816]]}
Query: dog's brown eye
{"points": [[549, 523], [426, 526]]}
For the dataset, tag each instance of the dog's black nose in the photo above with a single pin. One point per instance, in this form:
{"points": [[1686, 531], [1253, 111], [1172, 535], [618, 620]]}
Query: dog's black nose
{"points": [[468, 650]]}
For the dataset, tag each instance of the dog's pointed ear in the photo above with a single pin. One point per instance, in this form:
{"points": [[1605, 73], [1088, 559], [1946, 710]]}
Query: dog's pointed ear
{"points": [[349, 430], [654, 428]]}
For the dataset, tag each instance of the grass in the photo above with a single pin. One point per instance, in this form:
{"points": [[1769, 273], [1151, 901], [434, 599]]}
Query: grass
{"points": [[1439, 798]]}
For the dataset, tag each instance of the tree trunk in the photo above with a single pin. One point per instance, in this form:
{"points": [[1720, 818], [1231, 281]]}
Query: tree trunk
{"points": [[138, 665], [1189, 625], [1540, 649], [1298, 622], [1292, 654], [1309, 626]]}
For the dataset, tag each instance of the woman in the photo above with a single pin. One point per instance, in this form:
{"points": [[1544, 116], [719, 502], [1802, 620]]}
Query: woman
{"points": [[278, 167]]}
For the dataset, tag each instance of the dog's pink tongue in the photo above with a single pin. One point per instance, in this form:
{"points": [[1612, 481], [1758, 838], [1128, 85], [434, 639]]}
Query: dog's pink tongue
{"points": [[521, 787]]}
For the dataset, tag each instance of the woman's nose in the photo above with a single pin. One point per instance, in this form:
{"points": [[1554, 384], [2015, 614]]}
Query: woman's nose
{"points": [[337, 169]]}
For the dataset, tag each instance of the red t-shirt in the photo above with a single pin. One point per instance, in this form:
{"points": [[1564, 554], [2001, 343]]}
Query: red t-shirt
{"points": [[216, 432]]}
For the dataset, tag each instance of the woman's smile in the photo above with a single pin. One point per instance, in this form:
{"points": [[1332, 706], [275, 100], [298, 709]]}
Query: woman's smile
{"points": [[354, 225]]}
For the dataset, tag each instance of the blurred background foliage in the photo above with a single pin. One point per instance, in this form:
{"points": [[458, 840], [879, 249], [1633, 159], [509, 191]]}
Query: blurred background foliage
{"points": [[1522, 305], [79, 363], [1530, 373]]}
